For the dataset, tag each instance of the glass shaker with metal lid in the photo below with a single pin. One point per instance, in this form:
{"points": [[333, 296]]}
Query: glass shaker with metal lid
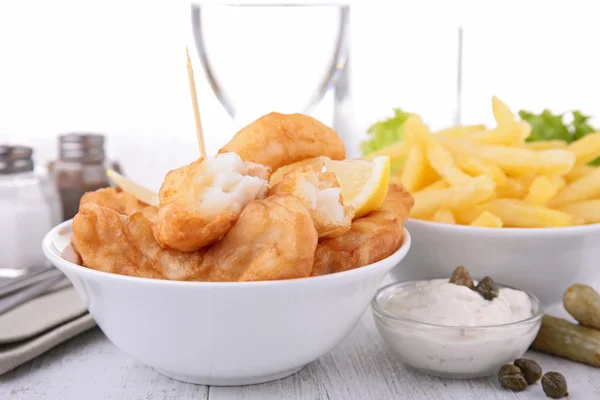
{"points": [[81, 168], [29, 208]]}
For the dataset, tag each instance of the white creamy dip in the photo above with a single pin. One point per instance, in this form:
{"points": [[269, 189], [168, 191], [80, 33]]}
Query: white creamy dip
{"points": [[442, 303], [468, 336]]}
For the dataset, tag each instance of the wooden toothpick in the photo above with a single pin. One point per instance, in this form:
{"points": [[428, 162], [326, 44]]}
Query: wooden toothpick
{"points": [[194, 95]]}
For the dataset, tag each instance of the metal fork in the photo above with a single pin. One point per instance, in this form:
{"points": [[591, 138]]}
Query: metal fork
{"points": [[27, 287]]}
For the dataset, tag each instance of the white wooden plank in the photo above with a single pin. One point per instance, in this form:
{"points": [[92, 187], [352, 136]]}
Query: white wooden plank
{"points": [[361, 367], [90, 367]]}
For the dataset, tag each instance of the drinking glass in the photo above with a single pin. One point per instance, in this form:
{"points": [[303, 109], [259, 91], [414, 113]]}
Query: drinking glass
{"points": [[284, 57]]}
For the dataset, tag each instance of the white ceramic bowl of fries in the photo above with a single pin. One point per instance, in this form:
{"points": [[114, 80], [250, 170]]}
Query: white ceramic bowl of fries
{"points": [[542, 261], [527, 213]]}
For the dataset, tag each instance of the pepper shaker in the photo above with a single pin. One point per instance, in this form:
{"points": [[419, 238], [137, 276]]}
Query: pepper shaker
{"points": [[29, 208], [81, 168]]}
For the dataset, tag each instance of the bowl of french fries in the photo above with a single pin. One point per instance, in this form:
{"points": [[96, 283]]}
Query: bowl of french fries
{"points": [[501, 201]]}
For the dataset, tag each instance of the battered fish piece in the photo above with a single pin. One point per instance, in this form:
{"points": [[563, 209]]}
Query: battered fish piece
{"points": [[370, 239], [119, 201], [321, 194], [399, 201], [112, 242], [209, 197], [273, 239], [277, 139], [174, 179]]}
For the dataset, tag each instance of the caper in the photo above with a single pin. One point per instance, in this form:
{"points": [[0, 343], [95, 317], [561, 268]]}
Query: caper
{"points": [[530, 369], [487, 288], [554, 385], [510, 377], [462, 277]]}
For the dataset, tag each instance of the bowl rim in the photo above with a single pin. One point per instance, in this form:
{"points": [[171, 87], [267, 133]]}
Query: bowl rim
{"points": [[380, 312], [65, 228], [479, 230]]}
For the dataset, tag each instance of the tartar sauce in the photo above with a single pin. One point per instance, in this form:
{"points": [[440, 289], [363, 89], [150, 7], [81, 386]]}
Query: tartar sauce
{"points": [[452, 331], [442, 303]]}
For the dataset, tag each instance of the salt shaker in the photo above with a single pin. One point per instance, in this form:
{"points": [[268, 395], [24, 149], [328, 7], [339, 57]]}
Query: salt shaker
{"points": [[81, 168], [29, 208]]}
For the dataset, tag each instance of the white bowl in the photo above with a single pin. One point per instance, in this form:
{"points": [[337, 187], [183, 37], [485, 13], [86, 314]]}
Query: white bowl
{"points": [[224, 333], [543, 261], [454, 351]]}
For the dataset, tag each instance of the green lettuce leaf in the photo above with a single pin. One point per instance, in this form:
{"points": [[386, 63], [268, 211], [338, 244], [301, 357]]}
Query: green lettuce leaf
{"points": [[548, 126], [386, 132]]}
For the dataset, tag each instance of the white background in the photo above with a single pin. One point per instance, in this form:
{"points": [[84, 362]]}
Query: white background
{"points": [[118, 67]]}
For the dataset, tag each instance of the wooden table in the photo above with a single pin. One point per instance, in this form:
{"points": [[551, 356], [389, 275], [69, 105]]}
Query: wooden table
{"points": [[89, 367]]}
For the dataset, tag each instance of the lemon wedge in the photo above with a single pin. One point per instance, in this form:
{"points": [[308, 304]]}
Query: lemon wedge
{"points": [[364, 183], [135, 189]]}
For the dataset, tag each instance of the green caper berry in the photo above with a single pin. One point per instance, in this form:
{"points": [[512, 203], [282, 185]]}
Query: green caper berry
{"points": [[487, 288], [530, 369], [554, 385], [510, 377]]}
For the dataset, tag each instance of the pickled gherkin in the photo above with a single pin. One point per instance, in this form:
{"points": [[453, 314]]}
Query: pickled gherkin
{"points": [[583, 303], [572, 341]]}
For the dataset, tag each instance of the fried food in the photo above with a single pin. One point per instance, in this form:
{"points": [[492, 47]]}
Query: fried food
{"points": [[200, 203], [321, 194], [548, 183], [112, 242], [119, 201], [174, 179], [370, 239], [399, 201], [278, 139], [273, 239]]}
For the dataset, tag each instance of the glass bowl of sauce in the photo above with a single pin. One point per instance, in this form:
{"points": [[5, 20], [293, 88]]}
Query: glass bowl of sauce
{"points": [[451, 331]]}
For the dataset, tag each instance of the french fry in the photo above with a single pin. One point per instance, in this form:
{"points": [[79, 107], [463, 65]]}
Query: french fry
{"points": [[461, 131], [579, 171], [466, 216], [476, 190], [526, 180], [541, 190], [512, 189], [439, 158], [413, 174], [517, 160], [475, 167], [442, 162], [475, 176], [558, 182], [396, 151], [584, 188], [587, 148], [517, 213], [427, 202], [415, 131], [429, 177], [546, 145], [487, 220], [507, 134], [439, 184], [589, 210], [444, 216], [502, 113]]}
